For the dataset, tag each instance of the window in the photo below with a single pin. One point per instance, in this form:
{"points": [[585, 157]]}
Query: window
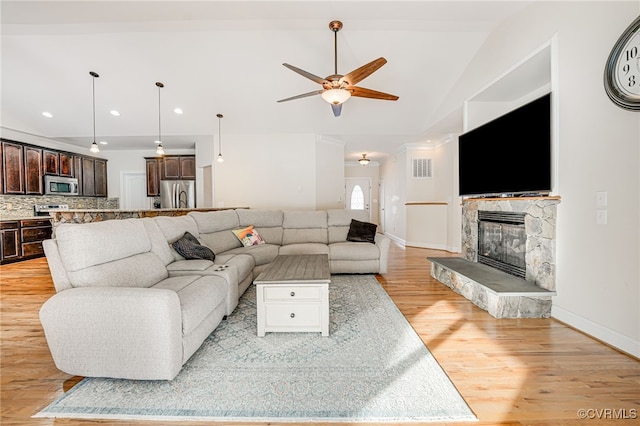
{"points": [[357, 198]]}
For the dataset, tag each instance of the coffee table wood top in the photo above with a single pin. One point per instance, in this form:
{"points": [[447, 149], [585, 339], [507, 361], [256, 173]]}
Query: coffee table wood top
{"points": [[297, 268]]}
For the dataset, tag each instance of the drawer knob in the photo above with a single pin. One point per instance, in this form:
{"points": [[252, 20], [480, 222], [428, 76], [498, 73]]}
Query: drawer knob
{"points": [[293, 293], [292, 315]]}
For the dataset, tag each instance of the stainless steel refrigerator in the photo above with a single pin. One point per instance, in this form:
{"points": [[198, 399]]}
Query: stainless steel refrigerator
{"points": [[177, 194]]}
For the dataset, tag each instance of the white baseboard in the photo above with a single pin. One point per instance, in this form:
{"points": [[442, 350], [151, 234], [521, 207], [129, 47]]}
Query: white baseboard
{"points": [[396, 239], [604, 334], [426, 245]]}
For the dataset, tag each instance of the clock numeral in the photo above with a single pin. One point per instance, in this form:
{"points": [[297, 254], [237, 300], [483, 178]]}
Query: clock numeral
{"points": [[626, 68], [631, 53], [632, 81]]}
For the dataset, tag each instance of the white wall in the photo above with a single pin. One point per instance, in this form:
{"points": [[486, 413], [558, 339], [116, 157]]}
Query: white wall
{"points": [[329, 174], [598, 272], [394, 172], [266, 171]]}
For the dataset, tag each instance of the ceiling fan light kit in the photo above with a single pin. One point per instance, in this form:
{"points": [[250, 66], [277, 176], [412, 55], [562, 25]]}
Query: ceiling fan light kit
{"points": [[338, 88], [364, 160]]}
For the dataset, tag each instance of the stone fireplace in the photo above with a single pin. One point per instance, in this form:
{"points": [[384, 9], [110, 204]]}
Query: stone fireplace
{"points": [[508, 256], [539, 214]]}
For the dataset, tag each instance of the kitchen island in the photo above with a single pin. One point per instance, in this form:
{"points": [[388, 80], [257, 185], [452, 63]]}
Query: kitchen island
{"points": [[98, 215]]}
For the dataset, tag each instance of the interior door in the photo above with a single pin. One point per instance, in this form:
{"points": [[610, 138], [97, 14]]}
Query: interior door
{"points": [[381, 206], [133, 191], [358, 194]]}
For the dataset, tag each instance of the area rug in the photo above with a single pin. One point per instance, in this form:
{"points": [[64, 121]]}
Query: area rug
{"points": [[373, 367]]}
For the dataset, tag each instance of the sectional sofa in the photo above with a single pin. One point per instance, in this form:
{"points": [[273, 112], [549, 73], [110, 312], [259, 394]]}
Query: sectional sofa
{"points": [[128, 305]]}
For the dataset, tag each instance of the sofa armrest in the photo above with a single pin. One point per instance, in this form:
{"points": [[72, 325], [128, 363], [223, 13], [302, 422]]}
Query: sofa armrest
{"points": [[132, 333], [383, 242]]}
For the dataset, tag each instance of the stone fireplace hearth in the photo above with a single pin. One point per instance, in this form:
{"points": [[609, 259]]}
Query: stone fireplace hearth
{"points": [[521, 235]]}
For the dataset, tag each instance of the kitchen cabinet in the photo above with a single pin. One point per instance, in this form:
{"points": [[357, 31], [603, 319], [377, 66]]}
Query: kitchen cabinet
{"points": [[88, 177], [33, 171], [12, 168], [32, 233], [9, 241], [188, 167], [153, 177], [77, 172], [66, 164], [100, 177], [22, 239], [51, 162]]}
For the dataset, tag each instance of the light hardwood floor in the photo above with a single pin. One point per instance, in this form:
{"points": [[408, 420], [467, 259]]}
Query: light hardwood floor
{"points": [[510, 371]]}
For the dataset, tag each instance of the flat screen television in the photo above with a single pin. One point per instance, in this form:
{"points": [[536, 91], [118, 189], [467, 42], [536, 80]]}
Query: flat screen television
{"points": [[510, 154]]}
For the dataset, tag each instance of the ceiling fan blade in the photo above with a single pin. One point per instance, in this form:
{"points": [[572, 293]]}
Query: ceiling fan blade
{"points": [[337, 109], [368, 93], [304, 73], [363, 72], [304, 95]]}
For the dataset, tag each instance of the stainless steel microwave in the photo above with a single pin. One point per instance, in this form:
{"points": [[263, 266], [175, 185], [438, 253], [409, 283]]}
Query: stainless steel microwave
{"points": [[56, 185]]}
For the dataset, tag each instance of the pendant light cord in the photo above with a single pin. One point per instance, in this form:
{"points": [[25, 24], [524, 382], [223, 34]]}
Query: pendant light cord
{"points": [[219, 133]]}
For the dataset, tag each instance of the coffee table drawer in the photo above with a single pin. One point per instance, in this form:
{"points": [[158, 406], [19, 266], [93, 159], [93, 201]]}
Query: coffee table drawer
{"points": [[292, 317], [293, 293]]}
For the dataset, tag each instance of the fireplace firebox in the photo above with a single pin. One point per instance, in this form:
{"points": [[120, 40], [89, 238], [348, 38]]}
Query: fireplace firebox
{"points": [[502, 241]]}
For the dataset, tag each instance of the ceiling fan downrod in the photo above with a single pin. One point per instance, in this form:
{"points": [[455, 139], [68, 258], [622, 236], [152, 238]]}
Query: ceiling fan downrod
{"points": [[335, 26]]}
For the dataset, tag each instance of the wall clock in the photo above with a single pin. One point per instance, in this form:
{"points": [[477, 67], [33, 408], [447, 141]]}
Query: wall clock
{"points": [[622, 71]]}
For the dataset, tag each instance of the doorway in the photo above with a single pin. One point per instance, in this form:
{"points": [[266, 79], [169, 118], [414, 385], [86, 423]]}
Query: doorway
{"points": [[358, 194], [133, 191]]}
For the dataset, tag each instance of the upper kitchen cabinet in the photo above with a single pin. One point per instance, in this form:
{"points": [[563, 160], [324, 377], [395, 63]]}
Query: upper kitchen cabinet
{"points": [[100, 177], [51, 162], [178, 167], [33, 171], [153, 176], [66, 164], [12, 168]]}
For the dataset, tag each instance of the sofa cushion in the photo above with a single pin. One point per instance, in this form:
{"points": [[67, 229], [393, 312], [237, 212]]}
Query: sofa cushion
{"points": [[220, 241], [159, 244], [215, 221], [191, 265], [353, 251], [243, 263], [89, 244], [267, 222], [305, 248], [190, 248], [138, 270], [262, 254], [304, 227], [174, 227], [362, 232], [198, 295]]}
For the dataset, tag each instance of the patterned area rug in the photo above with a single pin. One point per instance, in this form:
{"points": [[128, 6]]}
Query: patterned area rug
{"points": [[372, 368]]}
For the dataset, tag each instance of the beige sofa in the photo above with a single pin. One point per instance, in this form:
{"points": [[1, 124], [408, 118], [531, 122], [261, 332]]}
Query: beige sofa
{"points": [[129, 306]]}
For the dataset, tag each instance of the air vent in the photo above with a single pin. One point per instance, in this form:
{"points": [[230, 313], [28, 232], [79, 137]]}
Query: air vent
{"points": [[422, 168]]}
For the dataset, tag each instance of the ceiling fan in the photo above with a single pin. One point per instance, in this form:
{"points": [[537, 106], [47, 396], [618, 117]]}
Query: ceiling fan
{"points": [[338, 88]]}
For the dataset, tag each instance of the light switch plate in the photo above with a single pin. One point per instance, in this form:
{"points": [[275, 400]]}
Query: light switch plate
{"points": [[601, 199], [601, 217]]}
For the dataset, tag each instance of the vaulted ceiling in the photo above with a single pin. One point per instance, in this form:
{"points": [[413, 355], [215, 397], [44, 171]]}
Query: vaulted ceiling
{"points": [[226, 57]]}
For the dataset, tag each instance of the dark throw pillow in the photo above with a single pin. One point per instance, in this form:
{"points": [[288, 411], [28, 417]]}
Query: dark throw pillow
{"points": [[362, 232], [189, 247]]}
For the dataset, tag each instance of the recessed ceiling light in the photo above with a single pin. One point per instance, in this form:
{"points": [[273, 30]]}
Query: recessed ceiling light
{"points": [[103, 143], [47, 114], [115, 113], [178, 110]]}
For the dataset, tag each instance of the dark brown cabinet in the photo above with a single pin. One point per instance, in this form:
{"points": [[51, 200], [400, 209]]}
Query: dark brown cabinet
{"points": [[153, 177], [9, 241], [88, 177], [100, 177], [66, 164], [12, 168], [22, 239], [170, 168], [33, 171], [188, 167], [51, 162]]}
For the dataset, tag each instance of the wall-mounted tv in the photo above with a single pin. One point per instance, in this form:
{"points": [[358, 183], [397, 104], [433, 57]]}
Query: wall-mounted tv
{"points": [[508, 155]]}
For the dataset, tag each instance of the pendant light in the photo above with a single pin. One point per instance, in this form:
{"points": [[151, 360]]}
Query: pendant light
{"points": [[220, 159], [94, 145], [364, 160], [159, 149]]}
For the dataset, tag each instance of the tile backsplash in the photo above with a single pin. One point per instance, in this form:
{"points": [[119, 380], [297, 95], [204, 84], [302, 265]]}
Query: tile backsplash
{"points": [[19, 206]]}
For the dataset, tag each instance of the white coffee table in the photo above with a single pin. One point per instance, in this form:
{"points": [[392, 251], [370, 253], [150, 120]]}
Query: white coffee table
{"points": [[293, 295]]}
